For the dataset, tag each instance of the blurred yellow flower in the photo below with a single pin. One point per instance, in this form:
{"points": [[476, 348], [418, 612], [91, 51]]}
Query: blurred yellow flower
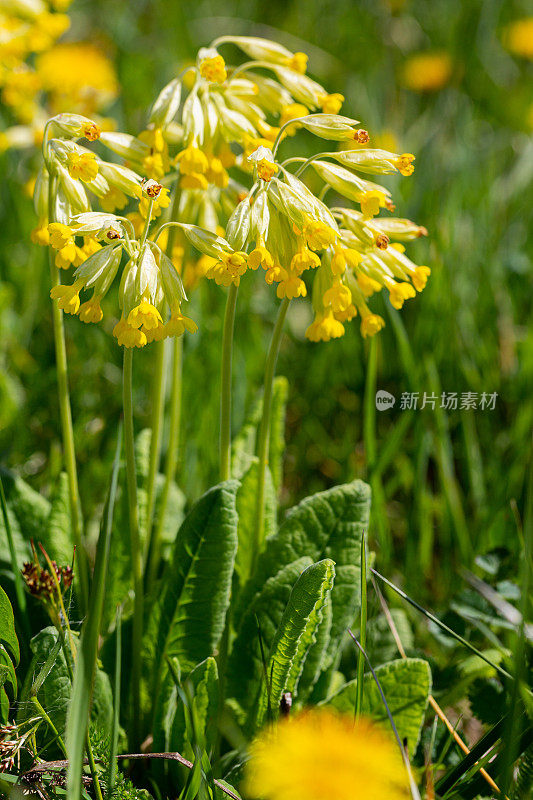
{"points": [[518, 37], [319, 754], [78, 77], [427, 72]]}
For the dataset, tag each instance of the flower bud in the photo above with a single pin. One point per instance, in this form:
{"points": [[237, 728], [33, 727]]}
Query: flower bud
{"points": [[329, 126], [151, 188], [125, 145], [166, 104], [77, 125], [205, 241]]}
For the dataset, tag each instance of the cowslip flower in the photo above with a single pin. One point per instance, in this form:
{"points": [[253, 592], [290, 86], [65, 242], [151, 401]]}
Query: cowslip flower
{"points": [[150, 290], [344, 254], [319, 754], [197, 125]]}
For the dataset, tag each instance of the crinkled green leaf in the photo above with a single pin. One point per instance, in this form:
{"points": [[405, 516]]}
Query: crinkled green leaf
{"points": [[58, 540], [406, 684], [28, 513], [381, 645], [326, 525], [245, 668], [187, 618], [7, 678], [9, 654], [54, 694], [316, 655], [8, 636], [295, 635], [277, 429], [247, 512]]}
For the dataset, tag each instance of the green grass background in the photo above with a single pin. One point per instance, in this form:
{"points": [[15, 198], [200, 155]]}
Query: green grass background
{"points": [[445, 484]]}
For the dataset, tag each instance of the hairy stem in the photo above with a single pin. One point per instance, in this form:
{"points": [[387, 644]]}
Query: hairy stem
{"points": [[158, 406], [65, 413], [225, 392], [135, 543], [264, 428], [172, 455], [154, 545]]}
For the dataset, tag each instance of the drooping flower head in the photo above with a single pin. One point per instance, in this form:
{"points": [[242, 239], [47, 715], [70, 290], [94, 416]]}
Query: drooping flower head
{"points": [[206, 123], [340, 255], [319, 754], [239, 207], [101, 245]]}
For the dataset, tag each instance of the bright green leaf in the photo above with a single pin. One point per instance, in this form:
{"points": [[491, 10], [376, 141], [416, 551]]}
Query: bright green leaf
{"points": [[245, 668], [295, 635], [187, 618], [406, 684], [247, 513], [326, 525]]}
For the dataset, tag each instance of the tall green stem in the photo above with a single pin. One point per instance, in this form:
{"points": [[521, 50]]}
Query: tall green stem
{"points": [[225, 392], [158, 404], [172, 455], [65, 413], [135, 543], [362, 633], [153, 536], [264, 428]]}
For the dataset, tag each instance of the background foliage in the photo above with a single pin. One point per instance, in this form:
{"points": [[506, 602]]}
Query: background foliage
{"points": [[443, 481]]}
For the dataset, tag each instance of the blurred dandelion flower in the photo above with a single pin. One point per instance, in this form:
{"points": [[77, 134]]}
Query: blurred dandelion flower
{"points": [[518, 37], [319, 754], [427, 72], [78, 77], [39, 77]]}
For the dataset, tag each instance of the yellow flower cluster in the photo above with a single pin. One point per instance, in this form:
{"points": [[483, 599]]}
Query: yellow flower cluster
{"points": [[226, 115], [348, 254], [94, 242], [214, 134], [39, 76], [318, 754]]}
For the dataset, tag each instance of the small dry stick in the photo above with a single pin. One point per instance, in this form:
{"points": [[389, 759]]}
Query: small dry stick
{"points": [[433, 703], [54, 766]]}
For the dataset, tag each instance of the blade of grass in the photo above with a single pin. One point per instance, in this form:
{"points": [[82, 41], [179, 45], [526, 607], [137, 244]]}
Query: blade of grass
{"points": [[393, 443], [19, 586], [414, 790], [444, 456], [512, 733], [369, 437], [362, 633], [113, 739], [476, 753], [87, 654], [442, 625]]}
